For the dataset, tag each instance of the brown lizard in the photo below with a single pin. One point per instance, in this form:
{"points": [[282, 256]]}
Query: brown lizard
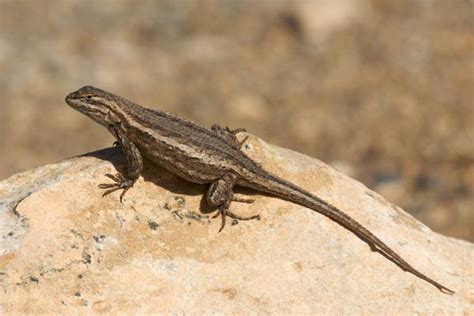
{"points": [[207, 156]]}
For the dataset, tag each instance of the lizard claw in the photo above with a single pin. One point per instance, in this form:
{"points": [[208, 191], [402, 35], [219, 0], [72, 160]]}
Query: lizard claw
{"points": [[243, 200], [224, 212], [237, 130], [121, 183]]}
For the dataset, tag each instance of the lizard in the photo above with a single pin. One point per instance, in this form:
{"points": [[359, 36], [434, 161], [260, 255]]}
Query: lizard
{"points": [[204, 156]]}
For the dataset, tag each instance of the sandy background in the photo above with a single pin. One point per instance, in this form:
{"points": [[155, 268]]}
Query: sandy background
{"points": [[383, 90]]}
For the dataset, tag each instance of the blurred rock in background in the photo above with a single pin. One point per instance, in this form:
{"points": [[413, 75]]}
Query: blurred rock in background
{"points": [[381, 89]]}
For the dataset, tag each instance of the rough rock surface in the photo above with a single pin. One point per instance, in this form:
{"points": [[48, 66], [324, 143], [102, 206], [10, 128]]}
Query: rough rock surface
{"points": [[64, 248]]}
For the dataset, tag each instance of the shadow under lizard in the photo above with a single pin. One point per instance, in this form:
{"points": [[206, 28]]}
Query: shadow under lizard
{"points": [[207, 156]]}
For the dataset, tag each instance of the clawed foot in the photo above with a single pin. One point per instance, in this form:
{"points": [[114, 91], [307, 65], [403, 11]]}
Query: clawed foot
{"points": [[223, 212], [229, 134], [235, 132], [121, 183]]}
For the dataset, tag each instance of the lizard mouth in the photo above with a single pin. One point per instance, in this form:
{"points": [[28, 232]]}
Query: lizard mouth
{"points": [[73, 101], [72, 96], [77, 103]]}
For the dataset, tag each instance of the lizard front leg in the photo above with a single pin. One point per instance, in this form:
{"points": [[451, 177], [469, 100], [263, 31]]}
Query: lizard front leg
{"points": [[220, 195], [132, 170]]}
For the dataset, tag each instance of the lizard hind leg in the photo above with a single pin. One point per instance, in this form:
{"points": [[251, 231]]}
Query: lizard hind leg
{"points": [[229, 135], [220, 195]]}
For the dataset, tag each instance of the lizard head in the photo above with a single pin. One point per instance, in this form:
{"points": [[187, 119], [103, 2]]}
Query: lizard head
{"points": [[92, 102]]}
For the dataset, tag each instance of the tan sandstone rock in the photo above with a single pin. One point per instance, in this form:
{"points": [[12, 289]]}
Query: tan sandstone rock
{"points": [[66, 249]]}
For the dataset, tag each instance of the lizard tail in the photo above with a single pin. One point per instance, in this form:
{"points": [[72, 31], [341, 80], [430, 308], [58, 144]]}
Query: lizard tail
{"points": [[290, 192]]}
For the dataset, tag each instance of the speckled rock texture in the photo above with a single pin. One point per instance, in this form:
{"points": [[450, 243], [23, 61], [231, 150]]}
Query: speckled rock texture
{"points": [[66, 249]]}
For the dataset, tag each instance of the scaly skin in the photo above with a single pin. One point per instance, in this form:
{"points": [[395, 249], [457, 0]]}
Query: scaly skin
{"points": [[206, 156]]}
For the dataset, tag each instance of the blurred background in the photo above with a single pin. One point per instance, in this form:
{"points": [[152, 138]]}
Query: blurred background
{"points": [[382, 90]]}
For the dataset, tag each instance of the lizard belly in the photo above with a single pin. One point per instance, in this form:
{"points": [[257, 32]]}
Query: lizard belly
{"points": [[191, 169]]}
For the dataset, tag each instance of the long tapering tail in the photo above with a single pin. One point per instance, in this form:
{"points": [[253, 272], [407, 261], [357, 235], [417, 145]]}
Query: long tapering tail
{"points": [[290, 192]]}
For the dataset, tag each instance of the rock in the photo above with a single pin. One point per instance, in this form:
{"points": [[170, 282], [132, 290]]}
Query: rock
{"points": [[66, 249]]}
